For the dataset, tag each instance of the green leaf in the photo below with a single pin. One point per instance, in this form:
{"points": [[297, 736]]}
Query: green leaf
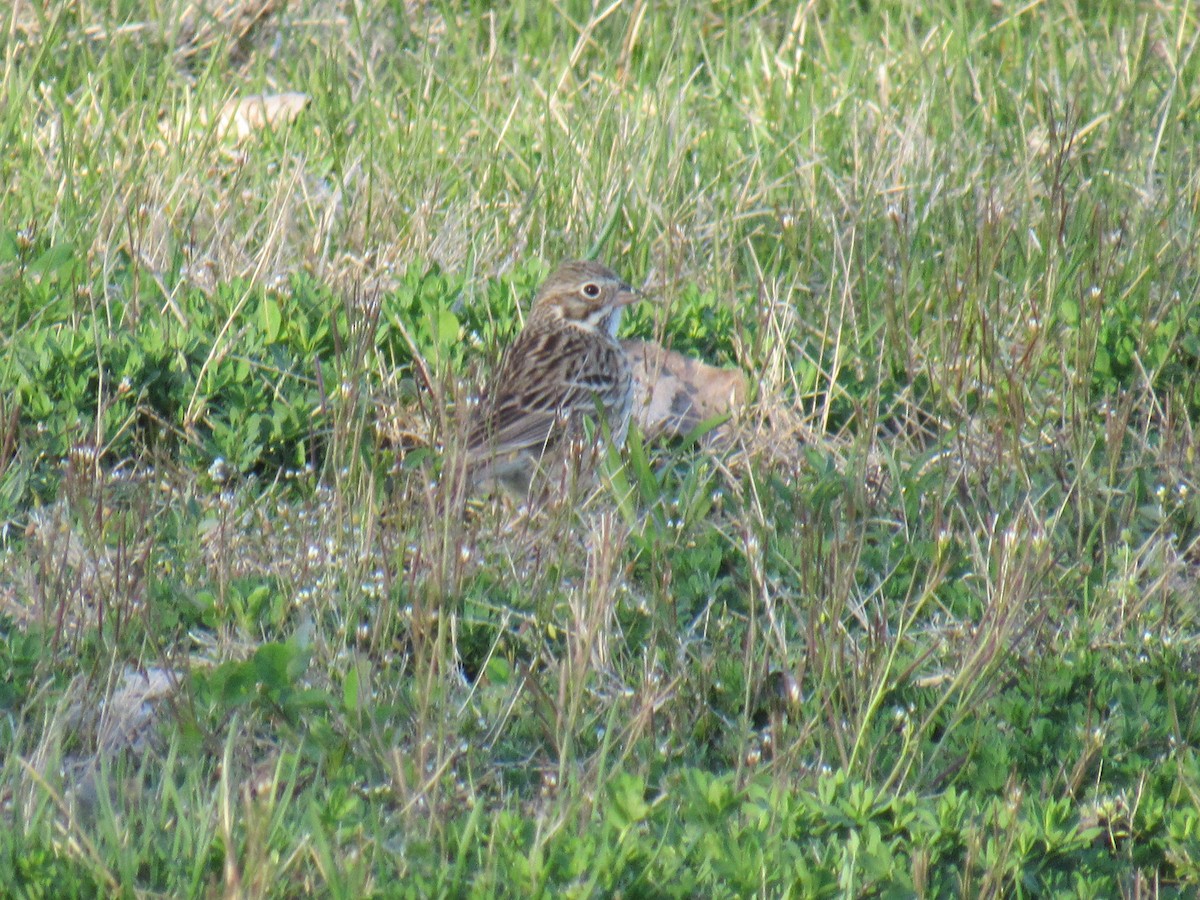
{"points": [[54, 260], [628, 805], [350, 694], [270, 318]]}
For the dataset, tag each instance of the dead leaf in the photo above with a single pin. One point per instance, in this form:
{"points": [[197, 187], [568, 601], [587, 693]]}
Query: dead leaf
{"points": [[674, 393], [131, 710], [243, 116]]}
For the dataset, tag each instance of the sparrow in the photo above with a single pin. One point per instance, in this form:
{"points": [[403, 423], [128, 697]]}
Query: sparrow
{"points": [[564, 367]]}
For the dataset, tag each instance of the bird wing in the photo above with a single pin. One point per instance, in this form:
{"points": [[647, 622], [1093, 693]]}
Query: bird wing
{"points": [[544, 379]]}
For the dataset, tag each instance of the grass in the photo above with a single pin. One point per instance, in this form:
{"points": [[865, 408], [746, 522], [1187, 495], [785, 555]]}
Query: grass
{"points": [[928, 626]]}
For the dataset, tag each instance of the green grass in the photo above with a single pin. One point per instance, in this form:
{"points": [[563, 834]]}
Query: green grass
{"points": [[927, 628]]}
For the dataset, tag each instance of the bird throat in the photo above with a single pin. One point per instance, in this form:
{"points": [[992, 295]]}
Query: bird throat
{"points": [[606, 320]]}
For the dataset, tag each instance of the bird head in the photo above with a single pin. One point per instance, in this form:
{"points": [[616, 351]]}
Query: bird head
{"points": [[585, 294]]}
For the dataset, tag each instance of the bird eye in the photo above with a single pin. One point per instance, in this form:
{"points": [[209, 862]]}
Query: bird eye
{"points": [[592, 290]]}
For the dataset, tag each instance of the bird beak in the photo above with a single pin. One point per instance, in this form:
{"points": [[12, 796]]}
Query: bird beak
{"points": [[627, 294]]}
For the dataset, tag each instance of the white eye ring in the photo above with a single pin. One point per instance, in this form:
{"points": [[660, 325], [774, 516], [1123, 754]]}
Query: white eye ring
{"points": [[592, 290]]}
